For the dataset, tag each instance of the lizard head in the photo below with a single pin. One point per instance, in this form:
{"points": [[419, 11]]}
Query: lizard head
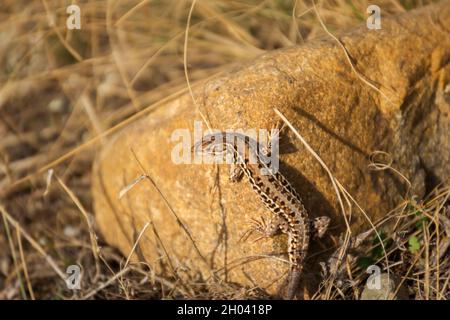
{"points": [[211, 144]]}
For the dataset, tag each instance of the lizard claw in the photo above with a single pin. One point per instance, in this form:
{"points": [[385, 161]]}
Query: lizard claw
{"points": [[261, 226]]}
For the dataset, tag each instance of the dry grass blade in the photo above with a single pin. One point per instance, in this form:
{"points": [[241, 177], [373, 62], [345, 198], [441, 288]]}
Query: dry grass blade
{"points": [[24, 263], [48, 181], [33, 243], [347, 55], [93, 141], [88, 218], [185, 64], [141, 233], [14, 256], [180, 223], [127, 188], [51, 22], [107, 283]]}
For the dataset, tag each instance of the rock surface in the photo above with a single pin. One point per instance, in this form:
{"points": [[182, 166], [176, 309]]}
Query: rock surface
{"points": [[342, 118], [385, 288]]}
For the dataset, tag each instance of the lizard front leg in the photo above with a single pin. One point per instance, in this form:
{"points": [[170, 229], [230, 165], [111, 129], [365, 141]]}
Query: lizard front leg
{"points": [[273, 138], [319, 226], [267, 228]]}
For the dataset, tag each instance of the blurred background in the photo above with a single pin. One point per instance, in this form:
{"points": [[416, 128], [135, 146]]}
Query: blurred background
{"points": [[63, 92]]}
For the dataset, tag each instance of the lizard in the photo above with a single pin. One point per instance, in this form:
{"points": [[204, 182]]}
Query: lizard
{"points": [[280, 198]]}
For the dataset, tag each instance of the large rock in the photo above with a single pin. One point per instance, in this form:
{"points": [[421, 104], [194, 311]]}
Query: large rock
{"points": [[343, 119]]}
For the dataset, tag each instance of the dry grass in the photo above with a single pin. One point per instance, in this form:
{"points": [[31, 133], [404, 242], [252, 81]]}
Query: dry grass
{"points": [[63, 92]]}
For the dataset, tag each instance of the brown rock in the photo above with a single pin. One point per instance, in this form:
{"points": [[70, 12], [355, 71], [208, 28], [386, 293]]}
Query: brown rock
{"points": [[343, 119], [386, 289]]}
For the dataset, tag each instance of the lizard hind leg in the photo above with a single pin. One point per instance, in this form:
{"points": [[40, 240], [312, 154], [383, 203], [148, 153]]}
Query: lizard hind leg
{"points": [[266, 228], [320, 226], [236, 173]]}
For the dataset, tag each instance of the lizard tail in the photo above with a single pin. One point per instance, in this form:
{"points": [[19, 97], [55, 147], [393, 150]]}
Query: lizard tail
{"points": [[293, 282]]}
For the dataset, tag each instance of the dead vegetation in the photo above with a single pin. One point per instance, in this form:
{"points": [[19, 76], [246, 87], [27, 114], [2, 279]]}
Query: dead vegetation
{"points": [[63, 92]]}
